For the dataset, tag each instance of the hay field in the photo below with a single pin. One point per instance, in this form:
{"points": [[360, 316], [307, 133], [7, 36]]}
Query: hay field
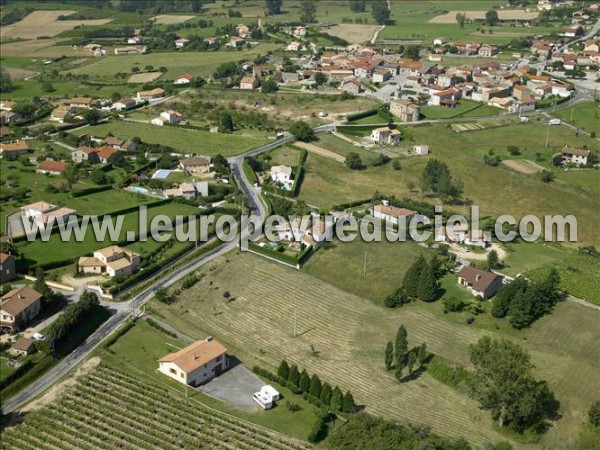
{"points": [[350, 333], [144, 77], [170, 19], [321, 151], [355, 34], [45, 23], [523, 165], [508, 14]]}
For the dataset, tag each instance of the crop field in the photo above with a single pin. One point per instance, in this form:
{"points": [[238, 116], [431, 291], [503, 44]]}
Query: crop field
{"points": [[354, 33], [45, 23], [327, 182], [144, 77], [198, 64], [584, 115], [170, 19], [109, 409], [184, 140], [523, 166], [508, 14], [349, 334]]}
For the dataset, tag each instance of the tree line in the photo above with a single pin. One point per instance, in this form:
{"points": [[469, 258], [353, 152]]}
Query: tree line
{"points": [[398, 356]]}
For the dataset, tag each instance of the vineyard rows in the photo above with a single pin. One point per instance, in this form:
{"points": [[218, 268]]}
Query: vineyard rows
{"points": [[111, 409]]}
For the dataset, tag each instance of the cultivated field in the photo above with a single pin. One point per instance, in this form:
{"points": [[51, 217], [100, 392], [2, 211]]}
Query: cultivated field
{"points": [[189, 141], [349, 333], [523, 166], [321, 151], [170, 19], [584, 115], [45, 23], [114, 409], [354, 33], [144, 77], [512, 14]]}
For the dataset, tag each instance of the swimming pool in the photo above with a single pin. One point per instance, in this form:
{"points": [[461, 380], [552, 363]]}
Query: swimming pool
{"points": [[139, 190], [161, 174]]}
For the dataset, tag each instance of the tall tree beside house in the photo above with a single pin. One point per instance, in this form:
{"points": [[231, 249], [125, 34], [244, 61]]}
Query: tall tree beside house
{"points": [[398, 298], [225, 122], [389, 356], [493, 261], [503, 384], [294, 376], [304, 384], [491, 17], [283, 370], [380, 11], [502, 299], [337, 399], [353, 161], [348, 404], [320, 78], [461, 18], [302, 131], [269, 86], [427, 288], [412, 277], [308, 9], [357, 5], [71, 175], [315, 386], [436, 178], [326, 393], [273, 7]]}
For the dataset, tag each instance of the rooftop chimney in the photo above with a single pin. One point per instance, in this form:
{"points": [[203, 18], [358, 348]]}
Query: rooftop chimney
{"points": [[478, 277], [208, 338], [195, 356]]}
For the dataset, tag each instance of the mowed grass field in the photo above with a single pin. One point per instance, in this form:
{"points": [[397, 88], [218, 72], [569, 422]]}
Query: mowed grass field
{"points": [[196, 63], [189, 141], [584, 115], [350, 334], [328, 182]]}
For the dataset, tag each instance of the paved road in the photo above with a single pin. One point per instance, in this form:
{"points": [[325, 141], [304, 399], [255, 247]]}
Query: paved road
{"points": [[122, 310]]}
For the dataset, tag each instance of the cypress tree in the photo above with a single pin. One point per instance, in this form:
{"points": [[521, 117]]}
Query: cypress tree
{"points": [[412, 276], [337, 399], [348, 402], [294, 376], [326, 394], [401, 347], [427, 288], [304, 381], [411, 360], [422, 354], [284, 370], [315, 386], [389, 356]]}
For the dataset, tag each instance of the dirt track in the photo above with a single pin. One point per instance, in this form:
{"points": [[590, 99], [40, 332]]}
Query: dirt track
{"points": [[321, 151]]}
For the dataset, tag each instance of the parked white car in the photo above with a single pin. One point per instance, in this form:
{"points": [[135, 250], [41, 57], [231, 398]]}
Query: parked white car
{"points": [[555, 122]]}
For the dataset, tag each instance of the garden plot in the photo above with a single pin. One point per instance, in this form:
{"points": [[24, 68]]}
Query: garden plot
{"points": [[143, 78], [523, 165], [171, 19]]}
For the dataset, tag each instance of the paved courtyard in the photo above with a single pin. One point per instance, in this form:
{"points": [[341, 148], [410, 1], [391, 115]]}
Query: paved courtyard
{"points": [[235, 386]]}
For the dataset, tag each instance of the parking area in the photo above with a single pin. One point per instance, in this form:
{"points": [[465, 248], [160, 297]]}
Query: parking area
{"points": [[235, 386]]}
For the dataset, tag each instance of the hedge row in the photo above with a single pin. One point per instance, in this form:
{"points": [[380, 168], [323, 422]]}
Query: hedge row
{"points": [[89, 191], [159, 327], [116, 336], [18, 373], [361, 115], [296, 262]]}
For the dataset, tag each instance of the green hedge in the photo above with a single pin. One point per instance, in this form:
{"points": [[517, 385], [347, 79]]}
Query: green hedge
{"points": [[117, 335], [361, 115], [90, 191], [302, 256], [18, 373]]}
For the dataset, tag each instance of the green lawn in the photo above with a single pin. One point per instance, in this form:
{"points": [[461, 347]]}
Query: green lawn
{"points": [[184, 140], [465, 108], [140, 348], [197, 63], [286, 155], [328, 182], [585, 115], [27, 89]]}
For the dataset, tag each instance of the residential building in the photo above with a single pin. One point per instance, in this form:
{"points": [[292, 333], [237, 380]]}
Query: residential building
{"points": [[420, 149], [8, 117], [184, 79], [405, 110], [591, 46], [352, 86], [487, 51], [181, 42], [385, 136], [12, 150], [135, 40], [242, 30], [51, 167], [281, 174], [571, 155], [188, 190], [42, 213], [124, 103], [61, 112], [235, 42], [477, 238], [195, 364], [447, 97], [18, 307], [294, 46], [573, 31], [7, 105], [131, 50], [479, 282], [397, 216], [22, 347], [152, 94], [381, 75], [82, 102], [7, 267], [299, 31], [195, 165], [113, 261], [120, 144], [171, 116], [93, 155], [249, 83]]}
